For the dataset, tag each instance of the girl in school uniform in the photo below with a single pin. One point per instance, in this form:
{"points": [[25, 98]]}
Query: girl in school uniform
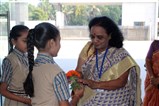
{"points": [[46, 82], [15, 69]]}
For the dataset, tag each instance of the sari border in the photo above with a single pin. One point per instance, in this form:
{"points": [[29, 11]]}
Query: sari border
{"points": [[118, 69]]}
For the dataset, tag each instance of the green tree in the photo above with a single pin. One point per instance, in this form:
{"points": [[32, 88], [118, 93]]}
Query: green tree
{"points": [[92, 11], [75, 15], [37, 13], [114, 12], [49, 9], [44, 11], [81, 14]]}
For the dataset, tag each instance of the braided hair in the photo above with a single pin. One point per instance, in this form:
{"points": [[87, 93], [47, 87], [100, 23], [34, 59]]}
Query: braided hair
{"points": [[28, 84], [15, 33], [38, 37]]}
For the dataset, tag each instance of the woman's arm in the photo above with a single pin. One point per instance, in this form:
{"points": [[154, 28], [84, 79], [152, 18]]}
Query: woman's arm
{"points": [[114, 84], [109, 85], [7, 94]]}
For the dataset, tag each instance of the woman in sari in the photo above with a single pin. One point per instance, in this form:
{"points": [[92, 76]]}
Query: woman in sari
{"points": [[110, 75], [152, 78]]}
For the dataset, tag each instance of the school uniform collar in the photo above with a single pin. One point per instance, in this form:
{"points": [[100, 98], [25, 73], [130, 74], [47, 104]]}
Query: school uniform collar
{"points": [[19, 53], [21, 56], [44, 58]]}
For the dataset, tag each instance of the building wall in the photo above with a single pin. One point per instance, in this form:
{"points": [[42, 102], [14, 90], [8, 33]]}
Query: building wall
{"points": [[129, 33], [141, 12]]}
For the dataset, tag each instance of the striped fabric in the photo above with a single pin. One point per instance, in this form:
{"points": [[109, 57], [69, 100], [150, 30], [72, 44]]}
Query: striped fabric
{"points": [[43, 58], [7, 67], [61, 87], [6, 71], [59, 82]]}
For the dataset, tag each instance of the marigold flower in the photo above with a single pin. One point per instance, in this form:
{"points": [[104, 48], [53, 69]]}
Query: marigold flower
{"points": [[72, 77], [73, 73]]}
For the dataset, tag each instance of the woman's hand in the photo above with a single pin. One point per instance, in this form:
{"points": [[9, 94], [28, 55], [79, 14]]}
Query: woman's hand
{"points": [[90, 83]]}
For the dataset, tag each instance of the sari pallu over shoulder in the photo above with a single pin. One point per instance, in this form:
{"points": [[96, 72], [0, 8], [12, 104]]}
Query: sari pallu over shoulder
{"points": [[115, 72], [151, 92], [155, 67]]}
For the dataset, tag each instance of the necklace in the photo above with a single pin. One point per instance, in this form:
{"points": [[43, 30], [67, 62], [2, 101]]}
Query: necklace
{"points": [[101, 67]]}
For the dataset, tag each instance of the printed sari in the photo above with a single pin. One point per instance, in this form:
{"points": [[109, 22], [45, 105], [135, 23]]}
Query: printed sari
{"points": [[117, 62], [151, 97]]}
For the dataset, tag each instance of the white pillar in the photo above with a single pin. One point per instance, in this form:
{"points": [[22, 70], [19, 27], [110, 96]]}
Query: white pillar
{"points": [[59, 19]]}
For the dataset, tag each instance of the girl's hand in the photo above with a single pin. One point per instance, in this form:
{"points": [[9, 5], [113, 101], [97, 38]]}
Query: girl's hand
{"points": [[79, 92], [27, 101]]}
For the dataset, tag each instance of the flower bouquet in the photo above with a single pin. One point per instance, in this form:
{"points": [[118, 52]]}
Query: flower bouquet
{"points": [[72, 77]]}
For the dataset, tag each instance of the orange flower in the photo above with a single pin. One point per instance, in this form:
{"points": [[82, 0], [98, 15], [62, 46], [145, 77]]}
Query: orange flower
{"points": [[72, 77], [73, 73]]}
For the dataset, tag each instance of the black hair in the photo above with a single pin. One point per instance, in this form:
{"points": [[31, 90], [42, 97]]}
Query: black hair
{"points": [[38, 37], [111, 29], [15, 33]]}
